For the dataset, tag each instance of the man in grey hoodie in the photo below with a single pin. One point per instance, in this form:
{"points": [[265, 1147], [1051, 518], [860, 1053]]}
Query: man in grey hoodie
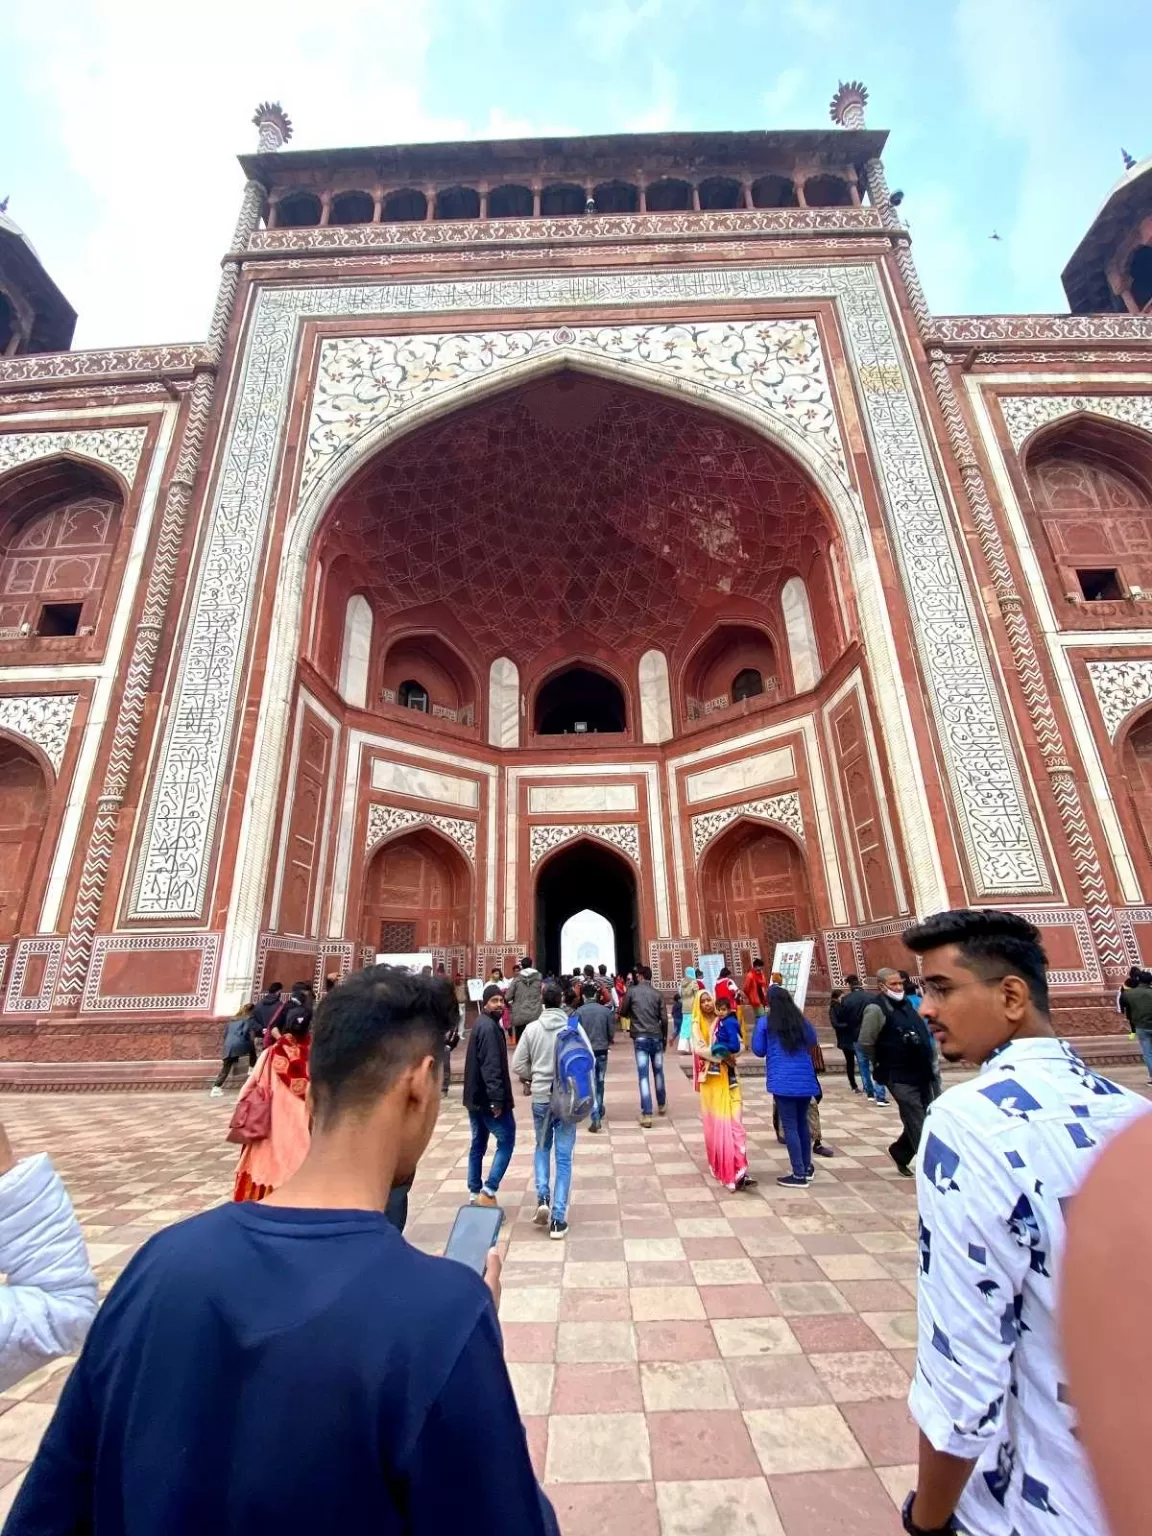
{"points": [[534, 1062]]}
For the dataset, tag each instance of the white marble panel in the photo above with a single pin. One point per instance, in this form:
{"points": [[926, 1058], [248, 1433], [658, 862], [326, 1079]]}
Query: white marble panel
{"points": [[356, 652], [655, 697], [503, 703], [801, 635], [424, 784], [564, 799], [734, 778]]}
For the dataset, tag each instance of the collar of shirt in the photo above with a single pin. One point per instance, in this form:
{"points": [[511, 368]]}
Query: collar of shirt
{"points": [[1031, 1048]]}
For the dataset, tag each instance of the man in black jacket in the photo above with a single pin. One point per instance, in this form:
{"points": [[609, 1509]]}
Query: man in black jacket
{"points": [[488, 1098], [270, 1009], [599, 1023], [903, 1055], [850, 1016], [644, 1007]]}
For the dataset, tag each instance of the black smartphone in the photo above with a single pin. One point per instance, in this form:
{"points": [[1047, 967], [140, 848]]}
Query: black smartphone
{"points": [[473, 1233]]}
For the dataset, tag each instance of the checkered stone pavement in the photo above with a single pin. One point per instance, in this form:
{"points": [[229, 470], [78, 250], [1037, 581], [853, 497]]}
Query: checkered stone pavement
{"points": [[687, 1361]]}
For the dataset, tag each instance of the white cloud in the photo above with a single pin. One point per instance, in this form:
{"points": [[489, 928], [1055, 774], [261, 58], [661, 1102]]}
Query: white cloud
{"points": [[150, 106]]}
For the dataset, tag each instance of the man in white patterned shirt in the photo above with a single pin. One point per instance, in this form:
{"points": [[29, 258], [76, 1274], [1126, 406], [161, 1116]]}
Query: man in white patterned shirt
{"points": [[1000, 1157]]}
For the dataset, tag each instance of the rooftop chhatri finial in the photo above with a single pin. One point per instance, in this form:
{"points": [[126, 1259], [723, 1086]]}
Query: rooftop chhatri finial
{"points": [[847, 107], [1129, 160], [274, 124]]}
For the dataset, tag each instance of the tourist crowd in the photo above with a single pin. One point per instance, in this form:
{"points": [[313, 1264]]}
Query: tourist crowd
{"points": [[355, 1372]]}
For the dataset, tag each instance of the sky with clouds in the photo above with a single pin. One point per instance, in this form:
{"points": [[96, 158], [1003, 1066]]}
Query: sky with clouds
{"points": [[120, 119]]}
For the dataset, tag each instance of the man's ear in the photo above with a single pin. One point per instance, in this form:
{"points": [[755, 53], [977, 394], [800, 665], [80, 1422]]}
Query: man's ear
{"points": [[1014, 990]]}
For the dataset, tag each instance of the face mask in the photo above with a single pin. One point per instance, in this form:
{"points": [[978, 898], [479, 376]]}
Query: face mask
{"points": [[895, 991]]}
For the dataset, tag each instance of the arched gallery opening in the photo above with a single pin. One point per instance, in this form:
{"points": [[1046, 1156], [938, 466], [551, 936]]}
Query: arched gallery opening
{"points": [[24, 796], [586, 874], [417, 895], [754, 889], [587, 938]]}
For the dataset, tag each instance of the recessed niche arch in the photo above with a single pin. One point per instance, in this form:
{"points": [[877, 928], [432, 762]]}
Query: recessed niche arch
{"points": [[424, 673], [298, 210], [730, 652], [753, 882], [59, 524], [1134, 757], [25, 791], [352, 208], [417, 894]]}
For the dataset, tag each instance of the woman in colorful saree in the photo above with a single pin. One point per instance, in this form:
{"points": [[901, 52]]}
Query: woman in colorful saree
{"points": [[282, 1071], [721, 1106]]}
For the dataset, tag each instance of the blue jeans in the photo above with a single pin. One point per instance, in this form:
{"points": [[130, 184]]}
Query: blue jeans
{"points": [[873, 1090], [503, 1128], [1144, 1036], [650, 1050], [601, 1073], [553, 1134], [794, 1124]]}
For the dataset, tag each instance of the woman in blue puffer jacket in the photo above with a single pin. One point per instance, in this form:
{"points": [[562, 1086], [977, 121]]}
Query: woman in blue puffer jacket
{"points": [[785, 1037]]}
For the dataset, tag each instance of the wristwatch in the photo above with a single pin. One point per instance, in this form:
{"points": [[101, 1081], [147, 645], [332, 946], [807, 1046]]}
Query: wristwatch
{"points": [[949, 1528]]}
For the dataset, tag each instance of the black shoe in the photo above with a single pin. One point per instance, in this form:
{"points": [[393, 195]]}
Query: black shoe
{"points": [[790, 1181], [594, 1125], [558, 1231], [822, 1151], [901, 1168], [809, 1172]]}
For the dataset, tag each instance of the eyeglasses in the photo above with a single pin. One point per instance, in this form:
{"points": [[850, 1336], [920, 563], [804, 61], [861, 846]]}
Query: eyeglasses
{"points": [[936, 993]]}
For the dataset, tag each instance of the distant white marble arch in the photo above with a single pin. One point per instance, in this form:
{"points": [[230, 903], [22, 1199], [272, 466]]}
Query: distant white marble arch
{"points": [[356, 651], [802, 646], [503, 703], [655, 698]]}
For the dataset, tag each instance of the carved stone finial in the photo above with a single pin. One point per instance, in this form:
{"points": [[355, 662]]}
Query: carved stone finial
{"points": [[847, 108], [274, 124]]}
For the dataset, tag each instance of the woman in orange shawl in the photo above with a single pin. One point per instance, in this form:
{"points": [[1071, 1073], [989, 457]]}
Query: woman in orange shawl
{"points": [[283, 1071]]}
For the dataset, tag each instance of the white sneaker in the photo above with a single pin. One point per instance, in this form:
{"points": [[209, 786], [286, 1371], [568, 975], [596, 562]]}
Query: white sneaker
{"points": [[543, 1214], [216, 1093]]}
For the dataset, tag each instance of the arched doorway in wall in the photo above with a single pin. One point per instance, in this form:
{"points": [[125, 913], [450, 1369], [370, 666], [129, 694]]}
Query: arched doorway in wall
{"points": [[754, 889], [417, 895], [586, 874], [587, 938], [579, 701], [24, 796]]}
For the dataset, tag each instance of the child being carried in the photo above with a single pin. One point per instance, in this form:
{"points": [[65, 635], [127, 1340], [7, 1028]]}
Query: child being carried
{"points": [[725, 1034]]}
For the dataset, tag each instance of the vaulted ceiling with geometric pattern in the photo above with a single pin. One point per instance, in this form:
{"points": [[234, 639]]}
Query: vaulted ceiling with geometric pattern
{"points": [[588, 506]]}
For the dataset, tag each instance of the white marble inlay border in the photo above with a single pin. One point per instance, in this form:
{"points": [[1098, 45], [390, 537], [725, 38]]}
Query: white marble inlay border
{"points": [[1026, 414], [995, 821], [624, 835], [44, 719], [784, 810], [383, 820], [117, 447], [1120, 687]]}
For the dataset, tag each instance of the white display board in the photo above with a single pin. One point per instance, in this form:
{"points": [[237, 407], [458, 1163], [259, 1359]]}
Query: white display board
{"points": [[476, 985], [794, 962], [708, 968], [413, 963]]}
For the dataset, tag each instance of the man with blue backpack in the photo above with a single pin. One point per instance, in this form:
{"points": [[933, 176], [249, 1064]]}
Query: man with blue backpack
{"points": [[555, 1057]]}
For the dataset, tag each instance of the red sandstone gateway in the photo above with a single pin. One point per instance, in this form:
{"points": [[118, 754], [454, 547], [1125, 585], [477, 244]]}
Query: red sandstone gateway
{"points": [[561, 525]]}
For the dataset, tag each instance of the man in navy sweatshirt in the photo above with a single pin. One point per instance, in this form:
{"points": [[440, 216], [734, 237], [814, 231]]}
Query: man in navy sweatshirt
{"points": [[295, 1366]]}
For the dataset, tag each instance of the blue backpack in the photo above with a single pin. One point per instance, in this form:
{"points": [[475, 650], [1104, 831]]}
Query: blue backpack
{"points": [[574, 1077]]}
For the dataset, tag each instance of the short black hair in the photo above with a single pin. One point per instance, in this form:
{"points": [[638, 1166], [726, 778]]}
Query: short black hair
{"points": [[551, 995], [758, 962], [852, 981], [274, 986], [723, 1001], [603, 969], [645, 972], [992, 943], [365, 1032], [527, 960]]}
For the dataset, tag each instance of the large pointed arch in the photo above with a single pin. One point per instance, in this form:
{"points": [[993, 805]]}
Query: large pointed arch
{"points": [[842, 503]]}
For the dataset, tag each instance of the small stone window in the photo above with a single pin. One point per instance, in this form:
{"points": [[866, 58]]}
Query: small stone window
{"points": [[405, 207], [352, 208], [747, 684], [59, 619], [412, 695], [299, 210], [668, 196], [1100, 586], [563, 200], [510, 203]]}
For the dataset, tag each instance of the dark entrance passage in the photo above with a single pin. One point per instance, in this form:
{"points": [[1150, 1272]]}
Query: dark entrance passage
{"points": [[577, 701], [586, 874]]}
